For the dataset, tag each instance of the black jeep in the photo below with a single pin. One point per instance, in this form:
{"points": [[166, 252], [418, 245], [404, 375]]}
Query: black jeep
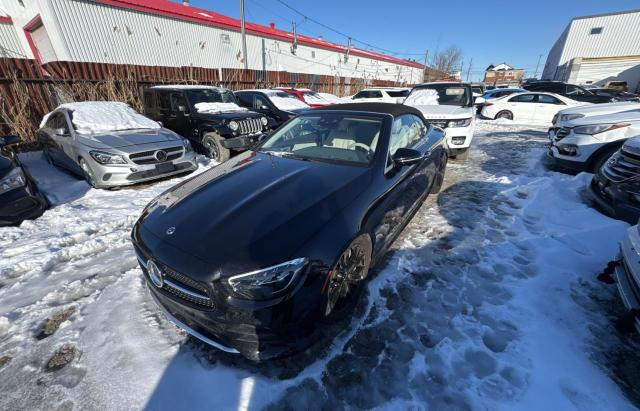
{"points": [[208, 116]]}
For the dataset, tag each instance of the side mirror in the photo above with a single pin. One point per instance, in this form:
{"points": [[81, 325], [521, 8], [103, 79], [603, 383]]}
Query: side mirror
{"points": [[182, 109], [60, 132], [264, 107], [8, 140], [479, 100], [406, 157], [160, 123]]}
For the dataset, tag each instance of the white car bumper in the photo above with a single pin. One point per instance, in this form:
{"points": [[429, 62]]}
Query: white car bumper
{"points": [[628, 271], [459, 138]]}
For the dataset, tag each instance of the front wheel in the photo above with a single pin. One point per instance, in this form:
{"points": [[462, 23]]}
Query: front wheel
{"points": [[214, 149], [89, 175], [344, 282], [505, 114], [602, 158]]}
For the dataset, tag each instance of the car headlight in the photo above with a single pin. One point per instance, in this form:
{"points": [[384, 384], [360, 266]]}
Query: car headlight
{"points": [[15, 179], [107, 158], [459, 123], [233, 125], [598, 128], [264, 121], [568, 117], [568, 149], [264, 283]]}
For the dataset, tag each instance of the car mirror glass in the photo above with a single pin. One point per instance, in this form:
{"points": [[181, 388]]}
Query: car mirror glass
{"points": [[264, 107], [60, 132], [406, 156], [182, 109]]}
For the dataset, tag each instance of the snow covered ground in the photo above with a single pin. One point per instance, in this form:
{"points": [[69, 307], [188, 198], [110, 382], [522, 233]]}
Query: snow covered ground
{"points": [[489, 301]]}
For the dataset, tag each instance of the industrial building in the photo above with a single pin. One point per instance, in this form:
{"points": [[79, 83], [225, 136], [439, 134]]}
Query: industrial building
{"points": [[597, 49], [165, 33]]}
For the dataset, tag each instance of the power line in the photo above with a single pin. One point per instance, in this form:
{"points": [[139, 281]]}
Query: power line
{"points": [[344, 34]]}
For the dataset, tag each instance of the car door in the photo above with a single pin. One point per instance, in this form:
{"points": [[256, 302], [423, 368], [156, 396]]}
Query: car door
{"points": [[408, 184], [67, 140], [522, 106], [163, 107], [177, 118], [48, 139], [262, 104], [546, 107]]}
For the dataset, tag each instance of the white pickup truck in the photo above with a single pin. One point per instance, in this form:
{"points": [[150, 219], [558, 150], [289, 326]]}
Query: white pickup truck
{"points": [[450, 107]]}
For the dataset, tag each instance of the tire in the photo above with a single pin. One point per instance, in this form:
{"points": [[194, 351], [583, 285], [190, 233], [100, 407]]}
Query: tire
{"points": [[213, 148], [463, 156], [504, 114], [88, 174], [602, 158], [437, 184], [345, 281]]}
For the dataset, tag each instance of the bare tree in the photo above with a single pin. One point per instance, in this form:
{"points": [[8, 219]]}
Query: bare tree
{"points": [[446, 60]]}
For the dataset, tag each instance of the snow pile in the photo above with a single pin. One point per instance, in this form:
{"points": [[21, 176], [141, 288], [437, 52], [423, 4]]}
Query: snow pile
{"points": [[287, 103], [104, 116], [422, 97], [333, 99], [214, 108]]}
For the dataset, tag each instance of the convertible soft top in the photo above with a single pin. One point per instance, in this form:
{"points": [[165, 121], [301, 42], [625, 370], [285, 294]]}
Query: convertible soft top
{"points": [[384, 108]]}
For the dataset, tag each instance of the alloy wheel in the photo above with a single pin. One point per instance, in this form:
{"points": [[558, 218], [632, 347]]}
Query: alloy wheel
{"points": [[212, 149], [350, 270]]}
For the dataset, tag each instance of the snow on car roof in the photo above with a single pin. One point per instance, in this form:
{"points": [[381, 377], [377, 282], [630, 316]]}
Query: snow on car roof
{"points": [[94, 117], [186, 87]]}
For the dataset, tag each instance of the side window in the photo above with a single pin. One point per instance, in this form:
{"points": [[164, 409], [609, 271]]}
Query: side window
{"points": [[58, 120], [53, 120], [163, 100], [574, 91], [177, 100], [546, 99], [522, 98], [368, 94], [149, 101], [375, 94], [259, 101], [361, 94], [406, 131], [245, 100]]}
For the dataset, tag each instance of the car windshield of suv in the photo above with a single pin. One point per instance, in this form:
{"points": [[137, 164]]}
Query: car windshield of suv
{"points": [[210, 95], [327, 137], [439, 95]]}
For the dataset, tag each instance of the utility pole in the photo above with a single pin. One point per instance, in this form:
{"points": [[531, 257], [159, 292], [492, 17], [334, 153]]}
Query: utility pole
{"points": [[425, 71], [294, 46], [469, 69], [244, 36], [537, 65]]}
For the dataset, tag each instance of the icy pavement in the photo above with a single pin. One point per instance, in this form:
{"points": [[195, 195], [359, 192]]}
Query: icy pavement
{"points": [[489, 301]]}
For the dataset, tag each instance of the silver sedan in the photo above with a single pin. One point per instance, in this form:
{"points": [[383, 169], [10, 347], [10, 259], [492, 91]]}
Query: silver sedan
{"points": [[111, 145]]}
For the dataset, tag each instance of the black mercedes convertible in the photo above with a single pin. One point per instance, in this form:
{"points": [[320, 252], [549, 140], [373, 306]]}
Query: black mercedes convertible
{"points": [[250, 256]]}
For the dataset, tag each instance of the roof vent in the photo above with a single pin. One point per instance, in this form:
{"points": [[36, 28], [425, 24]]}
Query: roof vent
{"points": [[272, 25], [185, 2]]}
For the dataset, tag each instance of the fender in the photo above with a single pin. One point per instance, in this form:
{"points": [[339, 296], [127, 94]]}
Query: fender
{"points": [[617, 144]]}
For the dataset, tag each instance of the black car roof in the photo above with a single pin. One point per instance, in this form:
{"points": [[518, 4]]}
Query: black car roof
{"points": [[382, 108]]}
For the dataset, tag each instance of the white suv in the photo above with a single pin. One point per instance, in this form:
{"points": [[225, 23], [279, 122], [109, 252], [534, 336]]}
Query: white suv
{"points": [[381, 95], [450, 107], [563, 116], [585, 143]]}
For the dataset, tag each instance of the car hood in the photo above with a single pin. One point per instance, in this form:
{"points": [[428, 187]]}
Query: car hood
{"points": [[232, 115], [632, 116], [128, 138], [445, 112], [604, 108], [6, 165], [231, 216]]}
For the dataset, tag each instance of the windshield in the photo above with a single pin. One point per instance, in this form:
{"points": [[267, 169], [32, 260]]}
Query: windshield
{"points": [[96, 117], [439, 95], [286, 101], [327, 137], [398, 93], [311, 97], [207, 95]]}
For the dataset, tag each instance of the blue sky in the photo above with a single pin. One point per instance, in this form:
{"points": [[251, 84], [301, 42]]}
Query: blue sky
{"points": [[515, 32]]}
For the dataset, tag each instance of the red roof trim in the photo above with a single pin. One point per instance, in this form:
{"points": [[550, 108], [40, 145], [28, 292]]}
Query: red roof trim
{"points": [[202, 16], [6, 19], [33, 24]]}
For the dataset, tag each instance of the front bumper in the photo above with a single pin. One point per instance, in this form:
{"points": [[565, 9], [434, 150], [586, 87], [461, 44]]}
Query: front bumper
{"points": [[208, 313], [241, 142], [612, 201], [123, 175], [459, 138], [17, 205], [628, 272], [566, 162]]}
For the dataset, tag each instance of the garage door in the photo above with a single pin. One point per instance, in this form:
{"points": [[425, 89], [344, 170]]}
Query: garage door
{"points": [[599, 71]]}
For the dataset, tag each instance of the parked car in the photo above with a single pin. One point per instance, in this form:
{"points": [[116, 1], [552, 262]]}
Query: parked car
{"points": [[111, 145], [20, 198], [567, 114], [335, 99], [585, 143], [208, 116], [278, 106], [627, 272], [501, 92], [571, 91], [252, 254], [537, 107], [381, 95], [308, 96], [615, 187], [448, 105], [478, 89], [617, 85], [619, 95]]}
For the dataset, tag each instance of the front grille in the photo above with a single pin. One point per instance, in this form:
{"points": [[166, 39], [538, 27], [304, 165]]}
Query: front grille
{"points": [[143, 175], [439, 123], [622, 167], [155, 156], [562, 133], [185, 288], [250, 126]]}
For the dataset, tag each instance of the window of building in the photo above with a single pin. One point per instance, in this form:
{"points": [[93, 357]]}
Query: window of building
{"points": [[313, 54], [596, 30], [225, 38]]}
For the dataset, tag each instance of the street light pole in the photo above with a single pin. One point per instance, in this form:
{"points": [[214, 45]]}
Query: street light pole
{"points": [[245, 58]]}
